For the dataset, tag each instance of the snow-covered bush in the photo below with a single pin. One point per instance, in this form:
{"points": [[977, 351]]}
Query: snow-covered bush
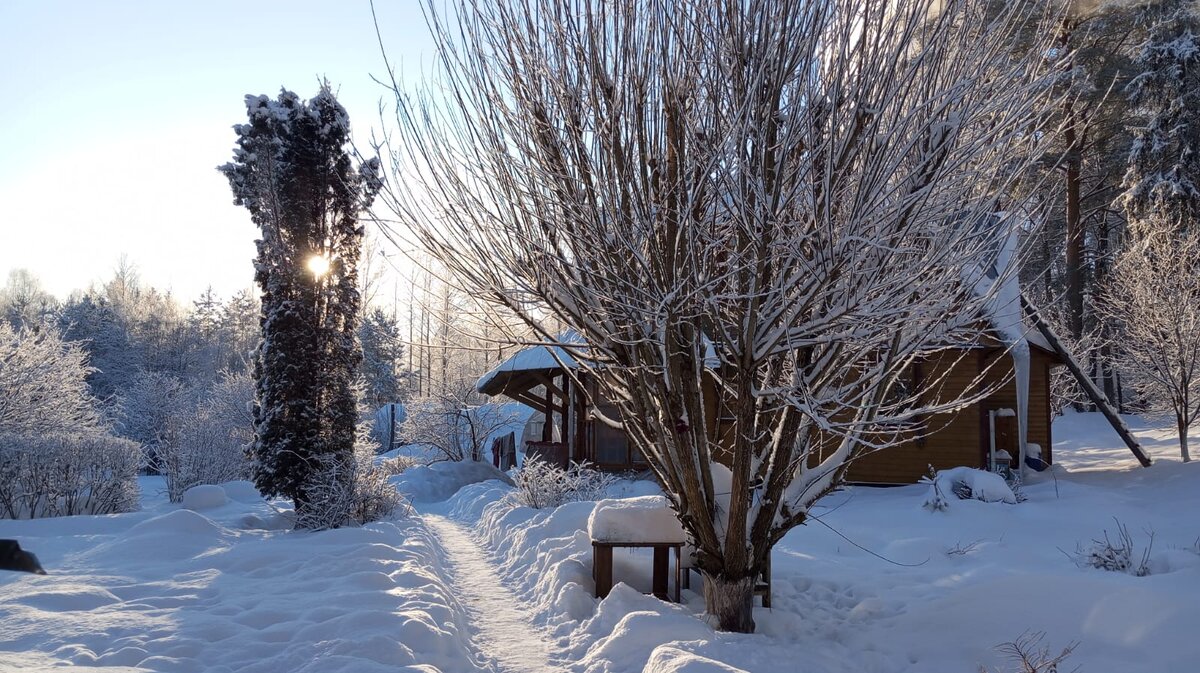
{"points": [[397, 464], [966, 483], [1114, 555], [43, 383], [347, 492], [541, 484], [151, 412], [212, 440], [67, 474]]}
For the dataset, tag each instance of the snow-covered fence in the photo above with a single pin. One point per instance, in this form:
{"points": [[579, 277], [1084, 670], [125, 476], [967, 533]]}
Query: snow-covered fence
{"points": [[67, 474]]}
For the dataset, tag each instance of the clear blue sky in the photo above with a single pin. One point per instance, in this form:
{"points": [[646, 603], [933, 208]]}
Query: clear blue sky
{"points": [[116, 113]]}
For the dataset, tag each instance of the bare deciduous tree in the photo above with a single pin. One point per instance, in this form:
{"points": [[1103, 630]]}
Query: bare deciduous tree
{"points": [[1154, 293], [781, 200], [456, 423]]}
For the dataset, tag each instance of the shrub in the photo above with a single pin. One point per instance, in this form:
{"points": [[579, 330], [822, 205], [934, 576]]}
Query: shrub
{"points": [[1114, 555], [1028, 655], [212, 442], [67, 474], [965, 483], [397, 465], [542, 484], [347, 492]]}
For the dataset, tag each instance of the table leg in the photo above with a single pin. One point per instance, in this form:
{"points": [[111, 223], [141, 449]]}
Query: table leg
{"points": [[678, 567], [662, 561], [602, 566]]}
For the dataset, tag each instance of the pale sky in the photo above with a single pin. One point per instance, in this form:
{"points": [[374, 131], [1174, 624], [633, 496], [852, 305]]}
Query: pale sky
{"points": [[115, 114]]}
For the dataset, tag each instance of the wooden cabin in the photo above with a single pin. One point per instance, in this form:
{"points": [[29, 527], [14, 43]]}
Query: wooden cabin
{"points": [[536, 376]]}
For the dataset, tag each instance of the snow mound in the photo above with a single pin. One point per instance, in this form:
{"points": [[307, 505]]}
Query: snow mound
{"points": [[440, 481], [646, 518], [178, 591], [637, 635], [204, 496], [179, 521], [967, 483], [242, 491], [668, 659]]}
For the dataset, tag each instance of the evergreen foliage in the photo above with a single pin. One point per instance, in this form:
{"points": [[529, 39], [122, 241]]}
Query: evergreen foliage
{"points": [[383, 353], [293, 172], [1163, 178]]}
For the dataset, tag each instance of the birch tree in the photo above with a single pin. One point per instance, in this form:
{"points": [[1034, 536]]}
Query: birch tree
{"points": [[777, 200], [1155, 293]]}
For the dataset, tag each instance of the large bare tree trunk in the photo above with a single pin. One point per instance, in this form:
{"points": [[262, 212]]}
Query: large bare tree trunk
{"points": [[730, 602]]}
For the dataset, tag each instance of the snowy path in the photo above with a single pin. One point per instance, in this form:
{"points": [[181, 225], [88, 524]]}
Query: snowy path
{"points": [[503, 632]]}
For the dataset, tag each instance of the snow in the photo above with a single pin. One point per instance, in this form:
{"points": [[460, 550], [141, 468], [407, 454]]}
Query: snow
{"points": [[972, 577], [981, 485], [170, 589], [204, 496], [480, 583], [644, 519], [439, 481], [667, 659]]}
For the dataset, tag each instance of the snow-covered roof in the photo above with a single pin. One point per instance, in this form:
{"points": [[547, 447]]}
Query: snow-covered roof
{"points": [[1002, 283], [535, 358]]}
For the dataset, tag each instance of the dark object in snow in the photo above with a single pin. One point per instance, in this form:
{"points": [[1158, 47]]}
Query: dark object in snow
{"points": [[1036, 463], [12, 557]]}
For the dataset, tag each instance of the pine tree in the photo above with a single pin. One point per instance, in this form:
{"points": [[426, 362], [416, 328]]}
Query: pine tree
{"points": [[292, 171]]}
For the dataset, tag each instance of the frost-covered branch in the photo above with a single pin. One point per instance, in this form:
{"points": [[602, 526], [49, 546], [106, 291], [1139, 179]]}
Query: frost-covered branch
{"points": [[786, 203]]}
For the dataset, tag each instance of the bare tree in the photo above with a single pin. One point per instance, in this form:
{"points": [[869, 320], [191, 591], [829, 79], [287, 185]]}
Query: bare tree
{"points": [[1155, 293], [782, 200], [456, 422]]}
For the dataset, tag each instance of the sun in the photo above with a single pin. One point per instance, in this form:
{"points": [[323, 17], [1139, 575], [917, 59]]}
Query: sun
{"points": [[318, 265]]}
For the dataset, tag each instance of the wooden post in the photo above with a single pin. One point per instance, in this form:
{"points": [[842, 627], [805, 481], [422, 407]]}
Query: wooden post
{"points": [[662, 561], [679, 571], [602, 568], [566, 431], [1086, 383], [548, 426]]}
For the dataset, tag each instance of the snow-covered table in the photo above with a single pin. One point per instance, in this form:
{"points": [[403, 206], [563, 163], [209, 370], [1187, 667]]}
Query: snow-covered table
{"points": [[602, 564], [645, 522]]}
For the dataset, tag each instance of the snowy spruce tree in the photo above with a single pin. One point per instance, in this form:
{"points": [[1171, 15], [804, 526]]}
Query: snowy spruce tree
{"points": [[382, 371], [293, 171], [1163, 178], [781, 201]]}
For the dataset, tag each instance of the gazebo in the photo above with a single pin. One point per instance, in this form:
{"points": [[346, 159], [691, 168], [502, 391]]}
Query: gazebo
{"points": [[538, 377]]}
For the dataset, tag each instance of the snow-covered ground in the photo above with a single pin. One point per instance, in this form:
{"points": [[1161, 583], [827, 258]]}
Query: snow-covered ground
{"points": [[477, 583]]}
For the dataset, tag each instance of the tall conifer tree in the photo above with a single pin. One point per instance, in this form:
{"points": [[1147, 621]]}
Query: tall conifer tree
{"points": [[293, 171]]}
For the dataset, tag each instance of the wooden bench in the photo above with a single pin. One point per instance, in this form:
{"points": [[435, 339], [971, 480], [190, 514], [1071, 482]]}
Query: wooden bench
{"points": [[602, 565]]}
